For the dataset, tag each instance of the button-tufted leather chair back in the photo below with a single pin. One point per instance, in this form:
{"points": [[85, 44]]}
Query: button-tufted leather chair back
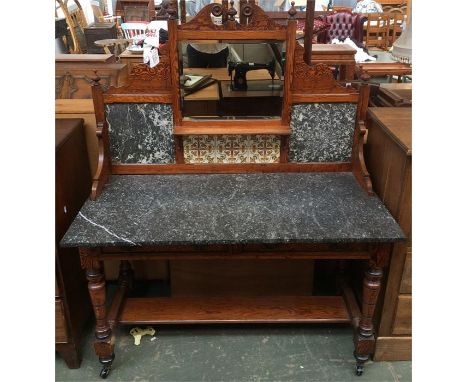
{"points": [[343, 24]]}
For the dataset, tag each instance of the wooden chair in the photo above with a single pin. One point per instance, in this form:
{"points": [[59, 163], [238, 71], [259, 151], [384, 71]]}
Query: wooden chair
{"points": [[132, 30], [377, 29], [100, 17], [76, 21], [397, 17]]}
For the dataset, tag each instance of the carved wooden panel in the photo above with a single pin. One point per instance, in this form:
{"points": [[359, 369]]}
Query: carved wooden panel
{"points": [[317, 79], [71, 86], [256, 19], [143, 79]]}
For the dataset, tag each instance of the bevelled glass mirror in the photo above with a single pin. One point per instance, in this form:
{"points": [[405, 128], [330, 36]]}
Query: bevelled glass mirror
{"points": [[238, 79]]}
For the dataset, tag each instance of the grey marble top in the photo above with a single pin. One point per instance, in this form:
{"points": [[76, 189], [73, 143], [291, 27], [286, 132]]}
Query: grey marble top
{"points": [[232, 208]]}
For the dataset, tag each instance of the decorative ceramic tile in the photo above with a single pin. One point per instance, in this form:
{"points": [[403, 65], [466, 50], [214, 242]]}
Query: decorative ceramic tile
{"points": [[140, 133], [322, 132], [232, 149]]}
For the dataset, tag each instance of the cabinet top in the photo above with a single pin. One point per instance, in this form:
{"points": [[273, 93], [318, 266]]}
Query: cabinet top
{"points": [[396, 121], [64, 128]]}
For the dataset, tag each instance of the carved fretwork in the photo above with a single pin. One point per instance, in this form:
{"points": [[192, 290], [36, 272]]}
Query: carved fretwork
{"points": [[315, 79], [65, 86], [145, 79], [89, 258], [68, 84], [257, 19]]}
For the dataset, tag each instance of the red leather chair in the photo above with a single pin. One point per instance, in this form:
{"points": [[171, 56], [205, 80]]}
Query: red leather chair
{"points": [[342, 24]]}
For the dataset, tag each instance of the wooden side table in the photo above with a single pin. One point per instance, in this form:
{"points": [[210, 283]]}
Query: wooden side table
{"points": [[388, 159], [113, 45]]}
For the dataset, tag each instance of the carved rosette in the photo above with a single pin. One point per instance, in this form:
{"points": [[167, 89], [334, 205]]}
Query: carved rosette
{"points": [[257, 20]]}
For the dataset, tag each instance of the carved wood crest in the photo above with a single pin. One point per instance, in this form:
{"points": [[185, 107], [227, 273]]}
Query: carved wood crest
{"points": [[317, 79], [256, 19], [145, 79]]}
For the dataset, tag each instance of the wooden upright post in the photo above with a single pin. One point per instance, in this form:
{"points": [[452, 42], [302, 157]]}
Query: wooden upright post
{"points": [[308, 32]]}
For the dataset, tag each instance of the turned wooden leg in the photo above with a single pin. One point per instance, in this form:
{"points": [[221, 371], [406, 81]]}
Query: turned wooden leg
{"points": [[364, 340], [103, 344]]}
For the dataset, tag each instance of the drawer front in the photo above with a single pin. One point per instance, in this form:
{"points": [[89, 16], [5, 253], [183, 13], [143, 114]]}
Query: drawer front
{"points": [[61, 333], [402, 323], [405, 286]]}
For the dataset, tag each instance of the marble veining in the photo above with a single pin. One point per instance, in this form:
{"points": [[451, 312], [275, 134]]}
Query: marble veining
{"points": [[140, 133], [322, 132], [232, 208]]}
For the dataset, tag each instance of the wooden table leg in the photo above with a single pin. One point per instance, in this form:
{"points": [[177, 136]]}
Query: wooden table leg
{"points": [[346, 72], [364, 340], [103, 343]]}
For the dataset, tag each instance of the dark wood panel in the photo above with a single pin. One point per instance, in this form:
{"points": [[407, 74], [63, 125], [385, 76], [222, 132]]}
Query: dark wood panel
{"points": [[405, 286], [241, 278], [393, 349], [61, 333], [234, 309], [72, 187], [402, 324], [229, 168]]}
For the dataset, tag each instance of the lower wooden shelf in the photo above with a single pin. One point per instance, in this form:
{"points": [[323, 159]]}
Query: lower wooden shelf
{"points": [[191, 310]]}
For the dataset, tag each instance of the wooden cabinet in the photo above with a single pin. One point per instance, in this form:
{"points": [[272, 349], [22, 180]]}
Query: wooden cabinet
{"points": [[388, 158], [98, 31], [72, 187], [135, 10]]}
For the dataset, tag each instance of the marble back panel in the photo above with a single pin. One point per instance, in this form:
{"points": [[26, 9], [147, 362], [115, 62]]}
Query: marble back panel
{"points": [[140, 133], [322, 132]]}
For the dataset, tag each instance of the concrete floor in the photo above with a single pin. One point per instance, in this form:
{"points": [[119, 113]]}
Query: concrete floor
{"points": [[234, 353]]}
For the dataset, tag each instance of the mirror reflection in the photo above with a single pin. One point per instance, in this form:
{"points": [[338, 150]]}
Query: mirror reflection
{"points": [[232, 79]]}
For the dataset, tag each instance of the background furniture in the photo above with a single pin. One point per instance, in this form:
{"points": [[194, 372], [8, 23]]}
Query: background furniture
{"points": [[115, 46], [98, 31], [82, 109], [73, 73], [135, 10], [388, 158], [61, 42], [76, 21], [132, 30], [392, 95], [343, 25], [397, 16], [377, 30], [72, 186], [382, 69]]}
